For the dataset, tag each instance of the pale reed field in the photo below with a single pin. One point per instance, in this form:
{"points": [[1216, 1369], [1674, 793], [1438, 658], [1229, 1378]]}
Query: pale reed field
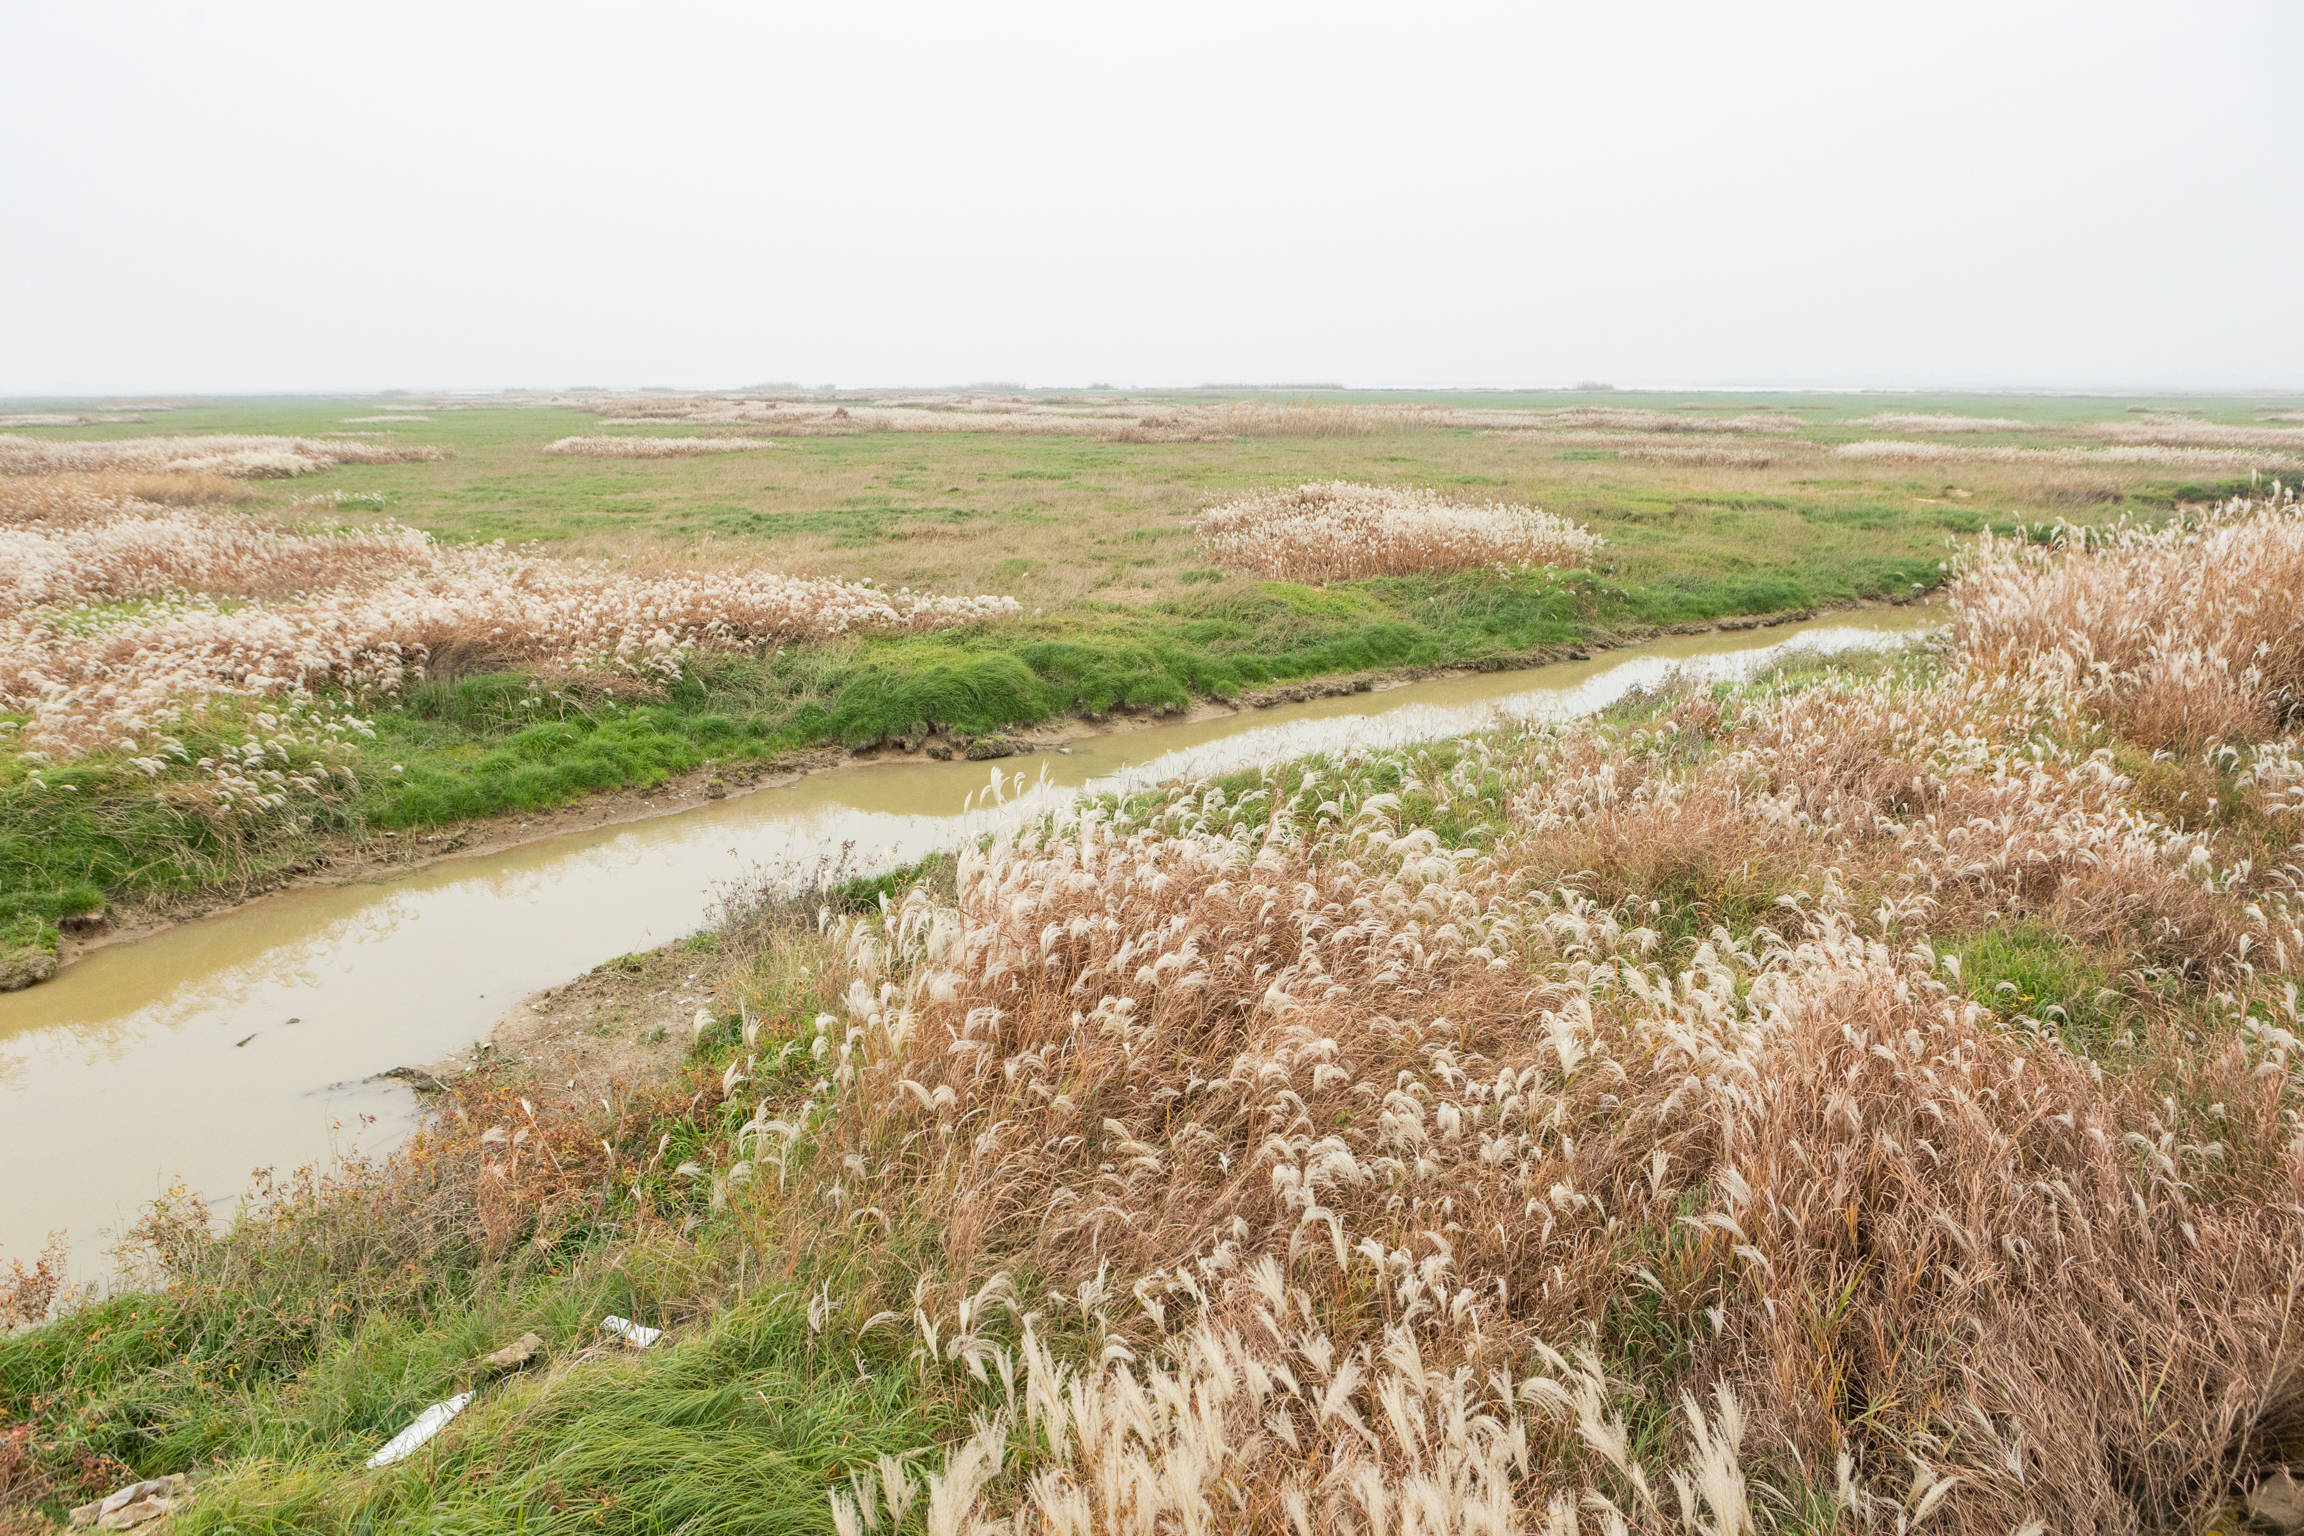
{"points": [[652, 447], [247, 458], [1907, 421], [1342, 531], [1148, 421], [63, 419], [2189, 457], [1293, 1170], [121, 617]]}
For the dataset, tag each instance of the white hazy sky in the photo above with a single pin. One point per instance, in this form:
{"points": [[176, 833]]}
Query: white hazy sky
{"points": [[255, 196]]}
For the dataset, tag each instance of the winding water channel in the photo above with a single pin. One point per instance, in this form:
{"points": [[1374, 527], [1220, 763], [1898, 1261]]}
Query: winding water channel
{"points": [[250, 1038]]}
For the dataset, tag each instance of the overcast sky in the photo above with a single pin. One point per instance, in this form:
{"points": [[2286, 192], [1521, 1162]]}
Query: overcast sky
{"points": [[255, 196]]}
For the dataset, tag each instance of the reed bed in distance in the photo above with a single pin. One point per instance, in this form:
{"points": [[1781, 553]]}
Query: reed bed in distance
{"points": [[240, 457], [652, 447]]}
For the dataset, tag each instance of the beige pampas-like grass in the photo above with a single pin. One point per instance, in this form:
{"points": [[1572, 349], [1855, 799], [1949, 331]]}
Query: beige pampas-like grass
{"points": [[2190, 457], [117, 616], [1342, 531], [1377, 1182], [240, 457], [1908, 421], [1723, 455], [652, 447]]}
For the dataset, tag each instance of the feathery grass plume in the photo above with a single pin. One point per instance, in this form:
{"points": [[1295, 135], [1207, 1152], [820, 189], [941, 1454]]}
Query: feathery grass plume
{"points": [[1343, 531], [241, 457], [1920, 421], [652, 447], [1889, 451], [2184, 634], [117, 616], [1645, 1158]]}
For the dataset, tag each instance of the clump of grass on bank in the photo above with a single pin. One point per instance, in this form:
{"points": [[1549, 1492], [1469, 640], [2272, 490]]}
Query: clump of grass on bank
{"points": [[1339, 531], [1814, 1105]]}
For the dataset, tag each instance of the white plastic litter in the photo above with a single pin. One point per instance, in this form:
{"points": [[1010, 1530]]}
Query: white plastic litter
{"points": [[428, 1423], [629, 1331]]}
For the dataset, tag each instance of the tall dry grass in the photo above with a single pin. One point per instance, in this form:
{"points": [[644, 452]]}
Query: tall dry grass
{"points": [[1720, 455], [241, 457], [1896, 452], [652, 447], [1943, 421], [1400, 1186], [118, 616], [1342, 531], [2181, 432], [2183, 635], [1611, 418]]}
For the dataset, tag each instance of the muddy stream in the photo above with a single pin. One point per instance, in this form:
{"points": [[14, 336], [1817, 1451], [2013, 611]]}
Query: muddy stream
{"points": [[252, 1038]]}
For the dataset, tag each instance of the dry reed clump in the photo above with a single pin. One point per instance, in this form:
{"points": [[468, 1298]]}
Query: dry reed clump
{"points": [[2188, 457], [64, 419], [2181, 432], [241, 457], [1342, 531], [2183, 635], [1722, 456], [197, 606], [1371, 1184], [1909, 421], [91, 549], [1610, 418], [652, 447]]}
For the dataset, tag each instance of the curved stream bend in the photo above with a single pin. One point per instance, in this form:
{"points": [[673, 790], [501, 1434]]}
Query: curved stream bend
{"points": [[247, 1039]]}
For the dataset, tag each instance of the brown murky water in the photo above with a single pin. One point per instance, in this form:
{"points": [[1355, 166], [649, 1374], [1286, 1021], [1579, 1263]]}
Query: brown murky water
{"points": [[250, 1039]]}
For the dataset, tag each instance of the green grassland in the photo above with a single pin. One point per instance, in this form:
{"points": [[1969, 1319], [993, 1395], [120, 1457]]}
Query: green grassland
{"points": [[1091, 536]]}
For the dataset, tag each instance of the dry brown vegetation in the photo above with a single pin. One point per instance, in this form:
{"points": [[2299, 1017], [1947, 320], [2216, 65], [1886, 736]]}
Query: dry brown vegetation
{"points": [[121, 617], [2180, 432], [652, 447], [1400, 1185], [1341, 531], [1718, 455], [239, 456], [2193, 457], [1910, 421], [1659, 1126]]}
